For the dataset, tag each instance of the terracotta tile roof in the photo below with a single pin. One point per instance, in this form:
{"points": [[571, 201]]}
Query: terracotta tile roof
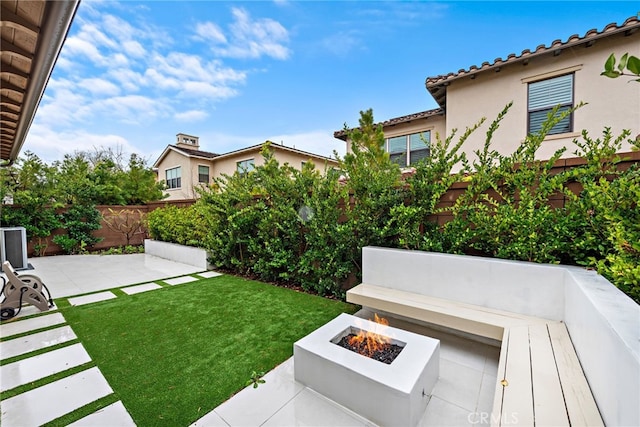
{"points": [[196, 153], [437, 85], [342, 134]]}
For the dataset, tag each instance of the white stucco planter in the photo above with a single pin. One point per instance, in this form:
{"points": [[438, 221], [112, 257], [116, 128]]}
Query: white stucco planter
{"points": [[604, 324], [179, 253]]}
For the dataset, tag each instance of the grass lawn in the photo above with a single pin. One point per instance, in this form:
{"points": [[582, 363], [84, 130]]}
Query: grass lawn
{"points": [[173, 354]]}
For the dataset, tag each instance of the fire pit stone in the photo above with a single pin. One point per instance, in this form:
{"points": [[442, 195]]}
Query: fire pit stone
{"points": [[386, 394]]}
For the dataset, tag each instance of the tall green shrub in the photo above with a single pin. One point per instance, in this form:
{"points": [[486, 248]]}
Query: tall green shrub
{"points": [[184, 226], [608, 210], [506, 211], [79, 220]]}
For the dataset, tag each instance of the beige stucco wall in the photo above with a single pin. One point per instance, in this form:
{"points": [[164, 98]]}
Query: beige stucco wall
{"points": [[611, 102], [172, 160]]}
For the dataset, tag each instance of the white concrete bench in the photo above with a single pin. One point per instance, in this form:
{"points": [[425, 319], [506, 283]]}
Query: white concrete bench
{"points": [[540, 380]]}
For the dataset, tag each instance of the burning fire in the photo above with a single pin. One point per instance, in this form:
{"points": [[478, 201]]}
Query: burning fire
{"points": [[368, 343]]}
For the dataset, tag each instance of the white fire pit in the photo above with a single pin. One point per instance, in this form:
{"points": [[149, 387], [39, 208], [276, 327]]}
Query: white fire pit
{"points": [[387, 394]]}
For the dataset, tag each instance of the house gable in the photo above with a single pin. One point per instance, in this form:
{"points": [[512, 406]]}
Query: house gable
{"points": [[189, 162]]}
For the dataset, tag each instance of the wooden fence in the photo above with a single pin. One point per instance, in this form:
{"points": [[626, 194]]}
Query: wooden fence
{"points": [[112, 238]]}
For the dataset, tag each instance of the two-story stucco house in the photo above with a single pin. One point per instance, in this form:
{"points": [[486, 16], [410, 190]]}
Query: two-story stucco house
{"points": [[183, 166], [564, 73]]}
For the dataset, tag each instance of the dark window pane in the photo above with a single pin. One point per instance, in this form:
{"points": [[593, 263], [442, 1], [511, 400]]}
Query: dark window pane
{"points": [[537, 118], [417, 155], [399, 158]]}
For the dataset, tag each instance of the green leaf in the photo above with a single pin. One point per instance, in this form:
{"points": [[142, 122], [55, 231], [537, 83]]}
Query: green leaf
{"points": [[623, 62], [610, 73], [633, 65], [611, 62]]}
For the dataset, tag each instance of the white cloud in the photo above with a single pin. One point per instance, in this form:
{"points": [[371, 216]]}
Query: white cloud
{"points": [[248, 38], [191, 67], [210, 32], [208, 90], [341, 43], [76, 46], [134, 108], [113, 73], [51, 146], [133, 48], [128, 79], [61, 106], [99, 86], [191, 116]]}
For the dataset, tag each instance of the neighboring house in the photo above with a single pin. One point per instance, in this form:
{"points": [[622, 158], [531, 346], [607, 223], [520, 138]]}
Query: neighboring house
{"points": [[183, 166], [564, 73]]}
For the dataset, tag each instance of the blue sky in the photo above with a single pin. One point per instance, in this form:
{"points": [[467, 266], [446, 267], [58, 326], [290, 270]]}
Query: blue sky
{"points": [[132, 75]]}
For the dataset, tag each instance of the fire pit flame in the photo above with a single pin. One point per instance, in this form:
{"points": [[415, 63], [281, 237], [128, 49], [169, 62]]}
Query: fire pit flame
{"points": [[368, 343]]}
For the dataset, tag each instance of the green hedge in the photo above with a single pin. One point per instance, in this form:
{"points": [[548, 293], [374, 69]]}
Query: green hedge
{"points": [[308, 227]]}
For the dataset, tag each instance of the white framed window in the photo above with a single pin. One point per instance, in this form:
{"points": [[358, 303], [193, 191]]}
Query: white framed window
{"points": [[203, 174], [245, 166], [173, 177], [543, 96], [409, 149]]}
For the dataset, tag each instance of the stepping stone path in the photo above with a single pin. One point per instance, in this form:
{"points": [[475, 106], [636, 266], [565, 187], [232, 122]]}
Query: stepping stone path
{"points": [[180, 280], [43, 404], [55, 399], [140, 288], [37, 341], [209, 274], [88, 299], [112, 415]]}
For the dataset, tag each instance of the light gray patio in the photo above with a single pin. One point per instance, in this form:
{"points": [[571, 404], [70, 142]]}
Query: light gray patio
{"points": [[68, 275]]}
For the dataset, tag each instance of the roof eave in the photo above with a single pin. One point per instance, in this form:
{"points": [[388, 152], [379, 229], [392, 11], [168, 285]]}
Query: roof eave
{"points": [[57, 20]]}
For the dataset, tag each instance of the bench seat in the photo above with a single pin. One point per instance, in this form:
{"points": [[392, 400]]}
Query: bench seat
{"points": [[473, 319], [540, 380]]}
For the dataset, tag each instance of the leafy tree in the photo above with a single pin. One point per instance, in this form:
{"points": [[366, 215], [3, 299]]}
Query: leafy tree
{"points": [[139, 184], [30, 184], [374, 187], [101, 178]]}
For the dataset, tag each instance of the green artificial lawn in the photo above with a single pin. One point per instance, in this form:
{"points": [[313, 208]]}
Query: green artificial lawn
{"points": [[172, 355]]}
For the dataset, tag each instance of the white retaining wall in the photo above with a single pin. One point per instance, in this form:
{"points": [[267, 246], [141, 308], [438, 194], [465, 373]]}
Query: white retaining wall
{"points": [[179, 253], [604, 324], [527, 288]]}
